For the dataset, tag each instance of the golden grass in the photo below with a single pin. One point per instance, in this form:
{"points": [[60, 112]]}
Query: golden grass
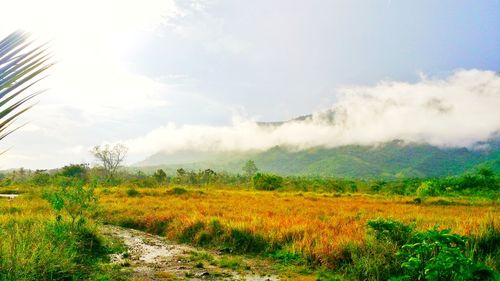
{"points": [[314, 224], [317, 225]]}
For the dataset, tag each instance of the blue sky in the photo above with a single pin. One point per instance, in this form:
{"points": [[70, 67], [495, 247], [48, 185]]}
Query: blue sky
{"points": [[127, 69], [294, 54]]}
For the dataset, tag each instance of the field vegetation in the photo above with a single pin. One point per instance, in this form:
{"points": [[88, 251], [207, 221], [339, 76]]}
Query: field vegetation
{"points": [[331, 229]]}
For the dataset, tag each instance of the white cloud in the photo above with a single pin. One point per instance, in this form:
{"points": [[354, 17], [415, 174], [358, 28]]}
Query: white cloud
{"points": [[457, 111], [91, 83]]}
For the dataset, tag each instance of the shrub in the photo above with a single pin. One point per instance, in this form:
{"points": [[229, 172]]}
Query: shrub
{"points": [[439, 255], [160, 176], [144, 181], [132, 192], [78, 171], [178, 190], [76, 200], [289, 257], [427, 189], [391, 230], [243, 241], [267, 181], [40, 178]]}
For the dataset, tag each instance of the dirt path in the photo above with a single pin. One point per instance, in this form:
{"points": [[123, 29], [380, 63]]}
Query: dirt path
{"points": [[151, 257]]}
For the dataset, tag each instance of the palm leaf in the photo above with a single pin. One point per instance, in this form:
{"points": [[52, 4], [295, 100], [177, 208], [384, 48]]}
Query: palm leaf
{"points": [[20, 67]]}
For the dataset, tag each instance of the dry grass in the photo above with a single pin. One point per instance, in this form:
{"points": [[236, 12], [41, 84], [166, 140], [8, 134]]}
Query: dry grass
{"points": [[316, 225]]}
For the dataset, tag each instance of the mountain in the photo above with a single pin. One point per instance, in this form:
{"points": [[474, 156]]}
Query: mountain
{"points": [[389, 160]]}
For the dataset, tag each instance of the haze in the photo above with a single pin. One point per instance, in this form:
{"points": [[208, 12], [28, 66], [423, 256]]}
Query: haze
{"points": [[168, 75]]}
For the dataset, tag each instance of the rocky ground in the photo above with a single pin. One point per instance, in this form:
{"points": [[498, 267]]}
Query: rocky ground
{"points": [[151, 257]]}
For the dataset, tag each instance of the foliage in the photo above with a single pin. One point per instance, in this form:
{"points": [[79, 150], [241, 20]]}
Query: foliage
{"points": [[440, 255], [20, 68], [132, 192], [45, 250], [160, 176], [250, 168], [41, 178], [75, 171], [34, 246], [391, 230], [76, 200], [483, 183], [267, 181], [318, 226], [389, 161], [177, 190], [202, 177]]}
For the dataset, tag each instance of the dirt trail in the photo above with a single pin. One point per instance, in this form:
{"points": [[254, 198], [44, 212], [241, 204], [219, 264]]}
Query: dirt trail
{"points": [[151, 257]]}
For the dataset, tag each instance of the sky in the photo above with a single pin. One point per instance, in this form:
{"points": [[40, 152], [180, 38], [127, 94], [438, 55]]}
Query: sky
{"points": [[170, 75]]}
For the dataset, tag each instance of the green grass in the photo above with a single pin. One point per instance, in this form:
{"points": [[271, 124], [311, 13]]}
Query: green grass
{"points": [[234, 263], [53, 250]]}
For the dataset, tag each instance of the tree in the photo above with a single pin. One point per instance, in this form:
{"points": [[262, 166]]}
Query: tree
{"points": [[79, 171], [20, 68], [160, 176], [110, 157], [486, 172], [267, 181], [250, 168]]}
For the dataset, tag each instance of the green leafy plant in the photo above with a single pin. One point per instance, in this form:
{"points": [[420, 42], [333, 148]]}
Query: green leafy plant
{"points": [[76, 200], [391, 230], [439, 255], [267, 181], [20, 68], [160, 176]]}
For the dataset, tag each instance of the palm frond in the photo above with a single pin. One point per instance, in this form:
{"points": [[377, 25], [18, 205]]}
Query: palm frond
{"points": [[21, 65]]}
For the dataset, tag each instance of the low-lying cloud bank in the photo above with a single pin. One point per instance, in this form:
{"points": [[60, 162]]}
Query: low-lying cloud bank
{"points": [[460, 110]]}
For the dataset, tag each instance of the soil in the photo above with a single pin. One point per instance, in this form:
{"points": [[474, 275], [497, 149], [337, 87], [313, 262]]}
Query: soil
{"points": [[152, 257]]}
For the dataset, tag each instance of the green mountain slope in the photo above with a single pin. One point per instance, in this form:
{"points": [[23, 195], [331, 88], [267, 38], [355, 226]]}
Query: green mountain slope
{"points": [[390, 160]]}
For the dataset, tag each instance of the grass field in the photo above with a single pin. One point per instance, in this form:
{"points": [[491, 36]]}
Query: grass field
{"points": [[319, 226], [305, 233]]}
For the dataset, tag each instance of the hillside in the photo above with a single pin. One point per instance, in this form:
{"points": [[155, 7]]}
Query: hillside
{"points": [[390, 160]]}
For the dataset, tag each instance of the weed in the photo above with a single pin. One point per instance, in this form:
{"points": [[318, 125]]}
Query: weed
{"points": [[233, 263], [440, 255], [391, 230], [201, 256], [178, 191], [132, 192]]}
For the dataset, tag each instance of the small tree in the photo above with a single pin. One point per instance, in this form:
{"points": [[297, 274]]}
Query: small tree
{"points": [[78, 171], [267, 181], [250, 168], [160, 176], [77, 200], [110, 157]]}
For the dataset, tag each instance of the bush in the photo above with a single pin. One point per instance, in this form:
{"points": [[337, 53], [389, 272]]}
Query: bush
{"points": [[178, 190], [392, 231], [160, 176], [395, 251], [427, 189], [131, 192], [40, 178], [440, 255], [267, 181], [78, 171], [75, 199]]}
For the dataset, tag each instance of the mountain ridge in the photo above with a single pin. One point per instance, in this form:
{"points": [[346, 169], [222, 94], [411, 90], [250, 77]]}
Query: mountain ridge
{"points": [[389, 160]]}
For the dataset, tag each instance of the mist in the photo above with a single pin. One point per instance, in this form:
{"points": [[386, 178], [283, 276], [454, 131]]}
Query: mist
{"points": [[457, 111]]}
